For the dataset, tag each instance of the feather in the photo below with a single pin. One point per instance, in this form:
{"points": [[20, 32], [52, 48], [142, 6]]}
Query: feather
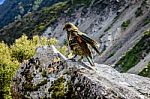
{"points": [[90, 41]]}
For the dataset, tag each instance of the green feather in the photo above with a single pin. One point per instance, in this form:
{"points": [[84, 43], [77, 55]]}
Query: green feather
{"points": [[90, 41]]}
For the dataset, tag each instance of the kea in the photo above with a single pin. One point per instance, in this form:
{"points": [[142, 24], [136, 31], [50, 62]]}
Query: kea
{"points": [[79, 43]]}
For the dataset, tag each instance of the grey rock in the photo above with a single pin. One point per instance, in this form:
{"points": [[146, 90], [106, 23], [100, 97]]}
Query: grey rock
{"points": [[99, 82]]}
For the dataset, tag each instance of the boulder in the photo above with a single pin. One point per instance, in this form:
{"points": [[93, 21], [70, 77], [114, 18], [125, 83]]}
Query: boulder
{"points": [[50, 75]]}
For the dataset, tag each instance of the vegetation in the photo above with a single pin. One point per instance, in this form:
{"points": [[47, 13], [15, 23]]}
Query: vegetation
{"points": [[60, 90], [44, 73], [147, 21], [33, 23], [8, 65], [14, 8], [133, 56], [146, 71], [30, 87], [85, 2], [11, 56], [125, 24], [139, 12]]}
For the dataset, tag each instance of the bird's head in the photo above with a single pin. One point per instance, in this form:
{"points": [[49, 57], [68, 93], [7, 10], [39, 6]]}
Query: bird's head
{"points": [[70, 27]]}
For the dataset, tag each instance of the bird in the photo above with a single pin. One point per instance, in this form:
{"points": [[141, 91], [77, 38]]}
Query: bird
{"points": [[79, 43]]}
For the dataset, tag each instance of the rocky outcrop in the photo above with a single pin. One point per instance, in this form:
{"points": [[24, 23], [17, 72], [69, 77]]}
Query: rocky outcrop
{"points": [[50, 75]]}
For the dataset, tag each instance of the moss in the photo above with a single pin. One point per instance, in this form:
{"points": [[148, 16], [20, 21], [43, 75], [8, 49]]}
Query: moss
{"points": [[44, 73], [125, 24], [133, 56], [57, 89], [70, 94], [60, 90]]}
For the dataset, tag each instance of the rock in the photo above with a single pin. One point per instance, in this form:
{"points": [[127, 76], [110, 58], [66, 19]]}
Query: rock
{"points": [[48, 75]]}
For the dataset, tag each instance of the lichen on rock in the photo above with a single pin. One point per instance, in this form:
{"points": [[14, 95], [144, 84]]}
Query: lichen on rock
{"points": [[65, 79]]}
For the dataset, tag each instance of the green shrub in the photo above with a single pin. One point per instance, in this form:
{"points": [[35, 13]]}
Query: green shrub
{"points": [[23, 49], [8, 67], [133, 56], [125, 24], [146, 71], [11, 56]]}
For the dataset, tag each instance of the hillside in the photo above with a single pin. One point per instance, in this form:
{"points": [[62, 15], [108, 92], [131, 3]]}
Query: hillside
{"points": [[121, 27], [15, 9], [116, 25]]}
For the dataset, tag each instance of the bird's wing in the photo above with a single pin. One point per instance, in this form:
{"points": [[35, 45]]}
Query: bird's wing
{"points": [[90, 41]]}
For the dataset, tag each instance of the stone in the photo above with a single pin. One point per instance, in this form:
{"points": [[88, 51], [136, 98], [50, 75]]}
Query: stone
{"points": [[75, 80]]}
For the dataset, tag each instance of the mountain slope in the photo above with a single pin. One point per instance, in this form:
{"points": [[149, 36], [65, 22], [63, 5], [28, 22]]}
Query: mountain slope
{"points": [[117, 25], [15, 9]]}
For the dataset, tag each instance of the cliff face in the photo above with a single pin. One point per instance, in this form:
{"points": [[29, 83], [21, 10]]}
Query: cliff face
{"points": [[50, 75]]}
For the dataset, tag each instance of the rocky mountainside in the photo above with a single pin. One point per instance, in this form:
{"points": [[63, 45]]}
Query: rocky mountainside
{"points": [[122, 27], [14, 9], [117, 25], [50, 75]]}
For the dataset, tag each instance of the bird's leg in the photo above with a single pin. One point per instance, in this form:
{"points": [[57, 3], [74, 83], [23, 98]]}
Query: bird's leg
{"points": [[73, 58], [80, 59]]}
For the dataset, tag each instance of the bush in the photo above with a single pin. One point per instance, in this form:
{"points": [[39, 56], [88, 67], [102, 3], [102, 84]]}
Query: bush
{"points": [[8, 66], [133, 56], [146, 71], [125, 24], [11, 56], [23, 49]]}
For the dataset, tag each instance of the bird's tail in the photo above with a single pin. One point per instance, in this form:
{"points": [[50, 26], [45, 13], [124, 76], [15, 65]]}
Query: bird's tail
{"points": [[90, 60]]}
